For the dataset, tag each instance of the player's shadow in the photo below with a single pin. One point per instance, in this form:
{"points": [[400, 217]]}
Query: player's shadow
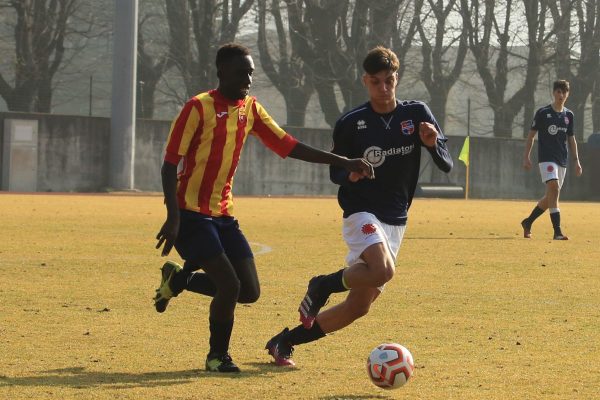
{"points": [[489, 237], [81, 378], [355, 397], [271, 368]]}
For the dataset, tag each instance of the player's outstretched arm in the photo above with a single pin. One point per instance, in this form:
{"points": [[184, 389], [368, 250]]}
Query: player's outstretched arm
{"points": [[306, 153], [168, 232]]}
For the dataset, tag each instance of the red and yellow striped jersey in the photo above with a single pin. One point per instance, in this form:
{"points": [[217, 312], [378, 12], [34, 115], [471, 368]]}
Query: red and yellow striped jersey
{"points": [[209, 134]]}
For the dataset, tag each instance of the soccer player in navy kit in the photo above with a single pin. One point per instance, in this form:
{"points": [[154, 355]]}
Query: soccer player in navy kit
{"points": [[389, 134], [554, 126]]}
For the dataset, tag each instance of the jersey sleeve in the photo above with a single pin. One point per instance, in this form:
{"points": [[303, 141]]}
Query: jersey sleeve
{"points": [[440, 154], [183, 129], [535, 125], [428, 117], [570, 127], [271, 134]]}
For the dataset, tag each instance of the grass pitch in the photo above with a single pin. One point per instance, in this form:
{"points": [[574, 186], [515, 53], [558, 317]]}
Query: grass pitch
{"points": [[485, 313]]}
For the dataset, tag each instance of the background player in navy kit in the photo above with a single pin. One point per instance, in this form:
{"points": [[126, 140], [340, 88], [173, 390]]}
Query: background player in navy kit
{"points": [[554, 124], [389, 134]]}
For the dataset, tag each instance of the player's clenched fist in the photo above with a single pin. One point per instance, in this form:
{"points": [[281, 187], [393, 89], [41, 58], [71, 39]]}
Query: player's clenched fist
{"points": [[355, 177], [360, 168], [428, 134]]}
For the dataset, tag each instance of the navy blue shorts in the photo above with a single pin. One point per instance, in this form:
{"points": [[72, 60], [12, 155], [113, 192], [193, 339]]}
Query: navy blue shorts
{"points": [[202, 237]]}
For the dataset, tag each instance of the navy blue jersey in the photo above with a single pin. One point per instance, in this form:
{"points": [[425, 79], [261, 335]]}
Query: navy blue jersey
{"points": [[553, 128], [390, 142]]}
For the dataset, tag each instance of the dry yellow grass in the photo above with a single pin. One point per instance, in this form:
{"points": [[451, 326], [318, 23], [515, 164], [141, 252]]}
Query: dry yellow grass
{"points": [[486, 314]]}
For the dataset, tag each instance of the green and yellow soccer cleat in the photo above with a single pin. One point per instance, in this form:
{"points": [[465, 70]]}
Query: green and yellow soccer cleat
{"points": [[220, 363], [164, 293]]}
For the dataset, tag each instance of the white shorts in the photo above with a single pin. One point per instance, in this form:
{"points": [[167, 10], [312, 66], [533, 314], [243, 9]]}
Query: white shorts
{"points": [[363, 229], [552, 171]]}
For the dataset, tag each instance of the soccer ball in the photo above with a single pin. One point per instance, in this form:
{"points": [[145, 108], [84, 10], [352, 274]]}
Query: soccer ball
{"points": [[390, 365]]}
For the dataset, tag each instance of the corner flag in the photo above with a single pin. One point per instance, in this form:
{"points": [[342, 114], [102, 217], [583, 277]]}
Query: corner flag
{"points": [[464, 153]]}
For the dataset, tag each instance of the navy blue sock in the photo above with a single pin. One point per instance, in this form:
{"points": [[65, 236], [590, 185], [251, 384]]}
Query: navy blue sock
{"points": [[300, 334], [199, 282], [179, 281], [220, 333], [535, 213], [555, 218], [332, 283]]}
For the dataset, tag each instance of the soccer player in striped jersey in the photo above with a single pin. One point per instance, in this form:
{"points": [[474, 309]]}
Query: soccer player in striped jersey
{"points": [[390, 134], [208, 137], [554, 126]]}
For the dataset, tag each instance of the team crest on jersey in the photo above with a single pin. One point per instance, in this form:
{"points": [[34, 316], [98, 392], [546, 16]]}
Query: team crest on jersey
{"points": [[361, 124], [407, 127], [368, 229], [548, 115], [242, 113], [566, 120]]}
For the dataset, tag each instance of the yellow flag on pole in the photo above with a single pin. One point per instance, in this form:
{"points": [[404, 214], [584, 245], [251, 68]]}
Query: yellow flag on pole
{"points": [[464, 153]]}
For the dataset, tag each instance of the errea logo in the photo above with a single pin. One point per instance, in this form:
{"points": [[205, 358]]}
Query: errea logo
{"points": [[361, 124]]}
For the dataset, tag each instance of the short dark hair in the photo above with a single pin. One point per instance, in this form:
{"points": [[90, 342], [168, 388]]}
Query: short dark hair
{"points": [[380, 59], [561, 84], [229, 51]]}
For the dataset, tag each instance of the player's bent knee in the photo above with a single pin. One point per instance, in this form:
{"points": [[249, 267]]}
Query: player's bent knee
{"points": [[389, 273], [384, 275], [229, 289], [249, 296]]}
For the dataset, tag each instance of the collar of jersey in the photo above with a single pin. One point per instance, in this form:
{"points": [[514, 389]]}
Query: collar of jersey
{"points": [[222, 99], [386, 114]]}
